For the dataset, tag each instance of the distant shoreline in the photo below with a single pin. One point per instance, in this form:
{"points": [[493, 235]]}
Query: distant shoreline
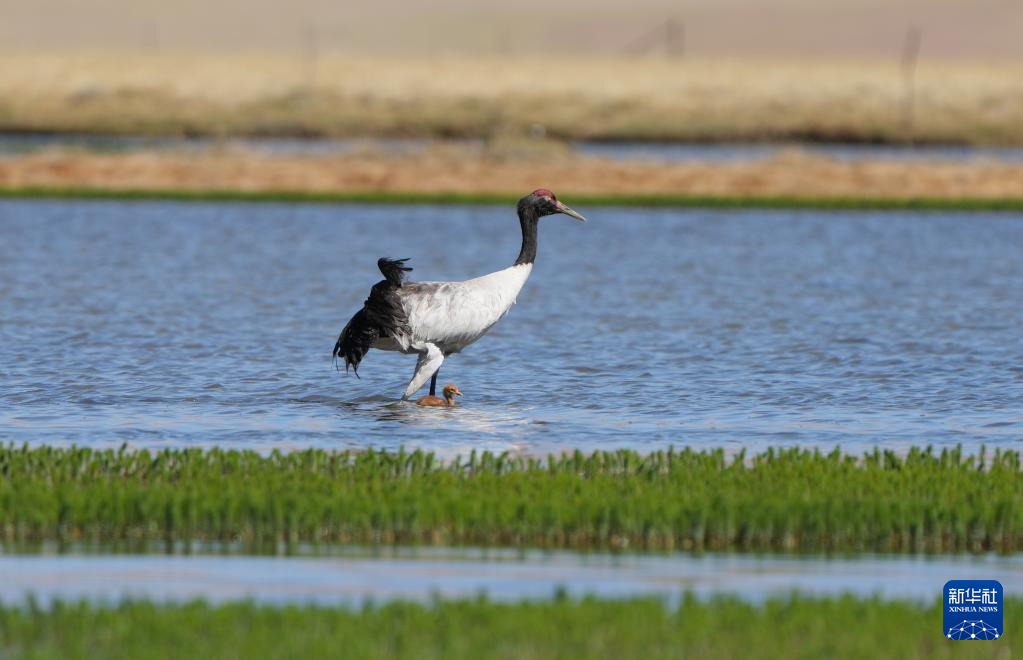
{"points": [[501, 172], [793, 139], [1014, 205]]}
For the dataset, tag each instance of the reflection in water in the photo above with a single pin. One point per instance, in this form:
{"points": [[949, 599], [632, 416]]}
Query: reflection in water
{"points": [[163, 325], [434, 424]]}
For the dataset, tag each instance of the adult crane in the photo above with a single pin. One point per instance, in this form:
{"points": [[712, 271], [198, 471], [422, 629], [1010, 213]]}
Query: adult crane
{"points": [[436, 319]]}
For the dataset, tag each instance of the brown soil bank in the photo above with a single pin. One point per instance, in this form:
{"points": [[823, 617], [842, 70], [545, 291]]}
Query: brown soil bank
{"points": [[561, 96], [451, 170]]}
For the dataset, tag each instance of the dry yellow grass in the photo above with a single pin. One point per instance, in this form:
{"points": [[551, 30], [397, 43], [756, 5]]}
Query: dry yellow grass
{"points": [[451, 170], [572, 98]]}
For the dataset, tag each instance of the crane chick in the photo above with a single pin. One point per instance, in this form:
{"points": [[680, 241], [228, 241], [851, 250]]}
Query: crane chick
{"points": [[450, 392]]}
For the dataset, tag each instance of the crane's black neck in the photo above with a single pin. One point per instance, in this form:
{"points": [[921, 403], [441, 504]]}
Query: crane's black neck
{"points": [[529, 219]]}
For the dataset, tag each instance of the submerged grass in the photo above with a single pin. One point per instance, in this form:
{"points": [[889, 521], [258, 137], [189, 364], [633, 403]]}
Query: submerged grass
{"points": [[780, 500], [866, 203], [791, 627]]}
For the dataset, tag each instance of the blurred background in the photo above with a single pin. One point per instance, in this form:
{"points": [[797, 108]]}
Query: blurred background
{"points": [[734, 98], [973, 29]]}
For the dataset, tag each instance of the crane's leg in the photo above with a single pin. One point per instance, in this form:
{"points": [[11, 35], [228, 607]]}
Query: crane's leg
{"points": [[430, 359], [433, 383]]}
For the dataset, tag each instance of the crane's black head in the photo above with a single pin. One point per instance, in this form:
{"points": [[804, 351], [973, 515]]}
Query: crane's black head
{"points": [[542, 202], [531, 208]]}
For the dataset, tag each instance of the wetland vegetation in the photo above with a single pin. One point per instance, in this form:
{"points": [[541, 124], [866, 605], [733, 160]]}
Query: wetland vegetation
{"points": [[787, 627], [459, 173], [648, 201], [794, 500]]}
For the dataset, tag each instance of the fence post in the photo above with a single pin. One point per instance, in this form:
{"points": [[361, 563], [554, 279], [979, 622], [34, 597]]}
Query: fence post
{"points": [[674, 38], [310, 53], [910, 54]]}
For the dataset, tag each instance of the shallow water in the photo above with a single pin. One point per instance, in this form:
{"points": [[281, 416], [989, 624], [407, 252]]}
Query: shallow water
{"points": [[167, 324], [353, 576]]}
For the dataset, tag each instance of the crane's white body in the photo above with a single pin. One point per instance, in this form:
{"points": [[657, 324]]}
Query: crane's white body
{"points": [[445, 317]]}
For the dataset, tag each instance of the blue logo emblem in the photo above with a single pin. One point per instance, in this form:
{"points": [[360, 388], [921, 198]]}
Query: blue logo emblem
{"points": [[973, 610]]}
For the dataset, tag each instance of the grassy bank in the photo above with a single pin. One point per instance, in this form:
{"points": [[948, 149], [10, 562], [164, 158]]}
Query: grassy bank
{"points": [[780, 500], [642, 201], [724, 628], [605, 98], [501, 173]]}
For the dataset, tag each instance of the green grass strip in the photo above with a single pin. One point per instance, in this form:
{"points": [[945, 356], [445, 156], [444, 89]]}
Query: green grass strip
{"points": [[789, 628], [779, 500], [645, 200]]}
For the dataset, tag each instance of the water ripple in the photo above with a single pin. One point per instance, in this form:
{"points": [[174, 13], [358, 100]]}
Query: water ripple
{"points": [[162, 324]]}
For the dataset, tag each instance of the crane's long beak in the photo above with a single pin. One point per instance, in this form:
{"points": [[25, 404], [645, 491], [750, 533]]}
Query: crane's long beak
{"points": [[567, 211]]}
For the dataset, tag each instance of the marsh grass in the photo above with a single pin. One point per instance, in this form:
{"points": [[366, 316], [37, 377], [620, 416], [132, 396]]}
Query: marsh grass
{"points": [[503, 173], [780, 500], [784, 627], [486, 96]]}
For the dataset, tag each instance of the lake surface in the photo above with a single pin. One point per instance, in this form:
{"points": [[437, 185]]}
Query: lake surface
{"points": [[163, 324], [353, 575]]}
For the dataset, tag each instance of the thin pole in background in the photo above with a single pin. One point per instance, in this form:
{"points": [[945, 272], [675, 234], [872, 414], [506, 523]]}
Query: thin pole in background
{"points": [[674, 38], [671, 33], [310, 53], [910, 55]]}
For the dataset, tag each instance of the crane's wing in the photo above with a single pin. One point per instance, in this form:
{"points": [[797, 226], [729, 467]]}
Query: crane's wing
{"points": [[456, 314], [382, 315]]}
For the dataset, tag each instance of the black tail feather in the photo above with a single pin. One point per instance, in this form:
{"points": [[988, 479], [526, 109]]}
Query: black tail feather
{"points": [[393, 269], [355, 341]]}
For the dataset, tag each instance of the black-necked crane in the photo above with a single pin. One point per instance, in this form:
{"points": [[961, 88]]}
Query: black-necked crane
{"points": [[436, 319]]}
